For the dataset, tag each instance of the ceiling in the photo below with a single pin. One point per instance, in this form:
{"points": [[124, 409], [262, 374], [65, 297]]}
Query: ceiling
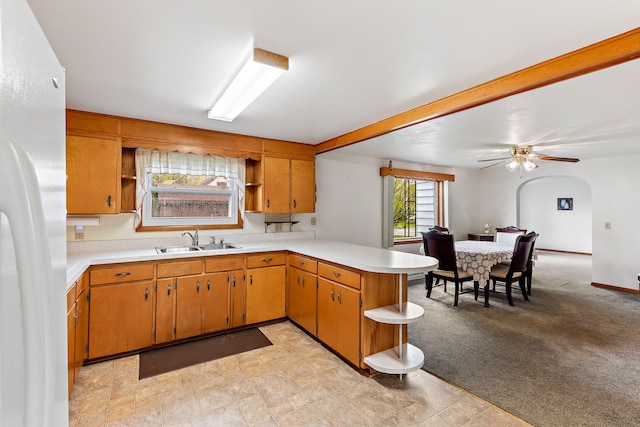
{"points": [[352, 64]]}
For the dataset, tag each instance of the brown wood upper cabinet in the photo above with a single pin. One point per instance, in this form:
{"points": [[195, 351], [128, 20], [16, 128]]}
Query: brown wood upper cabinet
{"points": [[289, 185], [93, 175]]}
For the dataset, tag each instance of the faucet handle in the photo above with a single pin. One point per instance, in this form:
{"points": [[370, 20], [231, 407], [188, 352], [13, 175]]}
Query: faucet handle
{"points": [[213, 240]]}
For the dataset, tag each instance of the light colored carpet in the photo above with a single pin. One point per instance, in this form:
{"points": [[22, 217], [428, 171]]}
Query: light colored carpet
{"points": [[568, 357]]}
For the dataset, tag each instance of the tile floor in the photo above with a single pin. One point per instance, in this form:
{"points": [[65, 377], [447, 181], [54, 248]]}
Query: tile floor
{"points": [[294, 382]]}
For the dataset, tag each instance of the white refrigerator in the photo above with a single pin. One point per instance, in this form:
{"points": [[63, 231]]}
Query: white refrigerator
{"points": [[33, 344]]}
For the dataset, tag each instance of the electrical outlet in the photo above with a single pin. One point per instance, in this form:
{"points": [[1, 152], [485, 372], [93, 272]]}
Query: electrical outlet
{"points": [[607, 226], [313, 220], [278, 227]]}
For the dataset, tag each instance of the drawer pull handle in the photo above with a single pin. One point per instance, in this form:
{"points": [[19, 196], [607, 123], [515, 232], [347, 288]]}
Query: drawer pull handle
{"points": [[301, 262], [333, 292], [125, 274], [267, 259], [335, 273]]}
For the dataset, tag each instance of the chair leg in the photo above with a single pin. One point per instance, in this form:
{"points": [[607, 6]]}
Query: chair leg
{"points": [[476, 287], [429, 284], [455, 298], [494, 285], [529, 278], [523, 288], [486, 294], [444, 282], [509, 297]]}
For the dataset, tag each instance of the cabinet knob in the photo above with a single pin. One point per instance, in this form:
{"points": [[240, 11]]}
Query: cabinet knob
{"points": [[333, 292], [294, 203], [146, 294], [340, 297], [109, 200], [198, 286], [335, 273], [208, 284], [124, 274], [169, 290], [267, 260]]}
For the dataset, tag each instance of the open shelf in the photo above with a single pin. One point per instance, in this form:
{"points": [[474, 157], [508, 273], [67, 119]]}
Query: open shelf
{"points": [[390, 314], [389, 361]]}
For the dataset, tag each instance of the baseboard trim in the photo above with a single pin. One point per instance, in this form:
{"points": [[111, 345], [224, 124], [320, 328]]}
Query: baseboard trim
{"points": [[615, 288], [564, 252]]}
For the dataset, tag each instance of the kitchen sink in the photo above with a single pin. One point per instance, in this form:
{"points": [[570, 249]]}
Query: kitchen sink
{"points": [[177, 249], [218, 246], [182, 249]]}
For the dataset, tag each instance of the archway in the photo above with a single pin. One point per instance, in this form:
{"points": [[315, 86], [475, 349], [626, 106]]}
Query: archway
{"points": [[567, 228]]}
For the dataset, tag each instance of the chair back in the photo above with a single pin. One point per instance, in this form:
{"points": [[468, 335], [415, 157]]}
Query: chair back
{"points": [[441, 246], [440, 229], [522, 252], [509, 234]]}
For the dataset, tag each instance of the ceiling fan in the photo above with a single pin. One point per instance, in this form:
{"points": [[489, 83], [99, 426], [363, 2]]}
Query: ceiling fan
{"points": [[522, 158]]}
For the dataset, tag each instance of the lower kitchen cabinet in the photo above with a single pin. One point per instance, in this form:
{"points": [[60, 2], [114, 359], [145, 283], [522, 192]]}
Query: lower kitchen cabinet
{"points": [[202, 304], [165, 310], [303, 299], [121, 318], [265, 289], [215, 302], [77, 328], [339, 311]]}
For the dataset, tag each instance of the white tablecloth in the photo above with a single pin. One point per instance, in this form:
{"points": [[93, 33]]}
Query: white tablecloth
{"points": [[477, 257]]}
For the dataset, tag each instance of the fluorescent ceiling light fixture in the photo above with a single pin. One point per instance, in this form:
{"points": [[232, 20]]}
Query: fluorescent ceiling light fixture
{"points": [[262, 69]]}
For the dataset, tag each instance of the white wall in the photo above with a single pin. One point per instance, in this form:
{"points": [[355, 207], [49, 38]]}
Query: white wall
{"points": [[615, 198], [349, 204], [567, 230]]}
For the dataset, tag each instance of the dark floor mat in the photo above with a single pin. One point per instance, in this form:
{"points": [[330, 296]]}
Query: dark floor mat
{"points": [[167, 359]]}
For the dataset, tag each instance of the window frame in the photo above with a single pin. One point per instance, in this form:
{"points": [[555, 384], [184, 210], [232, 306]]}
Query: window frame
{"points": [[440, 179], [189, 222]]}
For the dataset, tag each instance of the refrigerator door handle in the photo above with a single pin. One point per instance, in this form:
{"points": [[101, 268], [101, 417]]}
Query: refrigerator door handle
{"points": [[23, 209]]}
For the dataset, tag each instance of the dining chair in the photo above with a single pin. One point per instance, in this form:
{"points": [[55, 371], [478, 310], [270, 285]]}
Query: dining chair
{"points": [[509, 234], [442, 247], [516, 269]]}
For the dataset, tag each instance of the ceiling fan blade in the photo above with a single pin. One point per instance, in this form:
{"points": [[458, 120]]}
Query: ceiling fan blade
{"points": [[487, 167], [494, 160], [557, 159]]}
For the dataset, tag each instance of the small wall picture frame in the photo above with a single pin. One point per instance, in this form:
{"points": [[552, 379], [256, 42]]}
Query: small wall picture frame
{"points": [[565, 203]]}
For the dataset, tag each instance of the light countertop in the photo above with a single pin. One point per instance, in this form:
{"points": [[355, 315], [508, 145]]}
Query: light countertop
{"points": [[376, 260]]}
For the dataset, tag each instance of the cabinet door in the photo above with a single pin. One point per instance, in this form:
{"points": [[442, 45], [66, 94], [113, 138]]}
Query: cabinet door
{"points": [[93, 170], [71, 346], [327, 312], [82, 332], [348, 323], [165, 310], [237, 297], [188, 311], [215, 302], [121, 318], [294, 307], [265, 294], [303, 186], [277, 185]]}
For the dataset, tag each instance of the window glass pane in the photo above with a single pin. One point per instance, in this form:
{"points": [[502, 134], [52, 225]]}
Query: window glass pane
{"points": [[177, 199], [414, 207]]}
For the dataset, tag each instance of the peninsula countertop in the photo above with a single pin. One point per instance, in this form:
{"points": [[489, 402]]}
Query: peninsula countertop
{"points": [[366, 258]]}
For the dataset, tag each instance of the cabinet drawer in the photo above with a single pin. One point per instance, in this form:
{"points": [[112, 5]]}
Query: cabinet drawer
{"points": [[303, 263], [183, 268], [339, 274], [223, 264], [123, 273], [265, 260]]}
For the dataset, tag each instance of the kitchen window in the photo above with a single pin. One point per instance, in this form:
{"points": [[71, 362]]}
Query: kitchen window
{"points": [[414, 201], [188, 190]]}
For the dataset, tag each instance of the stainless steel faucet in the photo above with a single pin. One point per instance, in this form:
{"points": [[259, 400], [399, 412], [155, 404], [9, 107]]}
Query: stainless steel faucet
{"points": [[194, 237]]}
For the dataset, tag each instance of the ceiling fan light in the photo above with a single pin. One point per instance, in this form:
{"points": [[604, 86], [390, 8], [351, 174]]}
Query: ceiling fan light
{"points": [[512, 166], [529, 165]]}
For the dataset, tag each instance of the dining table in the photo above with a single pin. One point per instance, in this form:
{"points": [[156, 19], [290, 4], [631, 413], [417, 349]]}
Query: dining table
{"points": [[477, 258]]}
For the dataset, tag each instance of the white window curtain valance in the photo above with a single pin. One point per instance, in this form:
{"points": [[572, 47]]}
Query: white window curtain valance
{"points": [[156, 161]]}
